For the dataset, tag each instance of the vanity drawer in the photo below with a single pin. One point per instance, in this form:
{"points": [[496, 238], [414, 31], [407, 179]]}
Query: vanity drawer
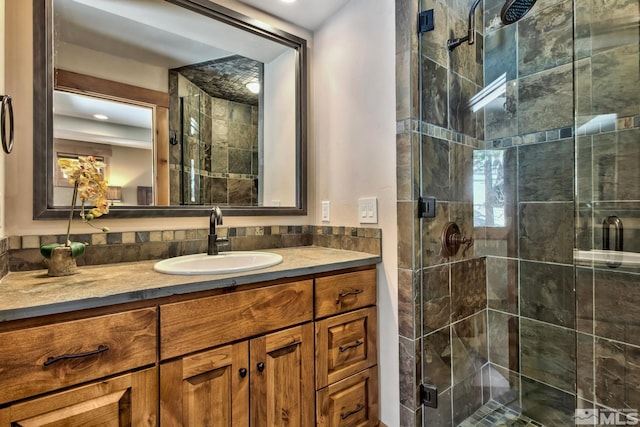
{"points": [[194, 325], [344, 292], [351, 402], [345, 344], [45, 358]]}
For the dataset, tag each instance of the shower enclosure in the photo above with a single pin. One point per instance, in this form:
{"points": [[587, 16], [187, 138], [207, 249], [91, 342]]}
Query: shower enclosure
{"points": [[529, 139]]}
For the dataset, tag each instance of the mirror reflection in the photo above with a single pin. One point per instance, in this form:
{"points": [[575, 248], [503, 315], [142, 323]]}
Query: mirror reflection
{"points": [[185, 110]]}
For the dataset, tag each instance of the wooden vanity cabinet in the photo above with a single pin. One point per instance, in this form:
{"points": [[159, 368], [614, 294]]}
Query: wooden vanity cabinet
{"points": [[264, 379], [81, 357], [294, 352], [346, 350]]}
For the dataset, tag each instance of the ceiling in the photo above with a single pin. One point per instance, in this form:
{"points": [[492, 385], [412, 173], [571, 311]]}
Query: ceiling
{"points": [[308, 14]]}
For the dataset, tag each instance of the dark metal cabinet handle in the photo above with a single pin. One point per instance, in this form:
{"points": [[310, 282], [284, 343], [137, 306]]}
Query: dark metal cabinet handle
{"points": [[51, 360], [6, 107], [347, 293], [346, 415], [344, 348], [260, 366], [242, 372]]}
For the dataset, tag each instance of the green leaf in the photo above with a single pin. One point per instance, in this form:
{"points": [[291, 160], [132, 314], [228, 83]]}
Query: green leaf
{"points": [[77, 249]]}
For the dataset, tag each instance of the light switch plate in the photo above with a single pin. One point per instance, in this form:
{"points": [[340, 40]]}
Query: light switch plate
{"points": [[326, 210], [368, 210]]}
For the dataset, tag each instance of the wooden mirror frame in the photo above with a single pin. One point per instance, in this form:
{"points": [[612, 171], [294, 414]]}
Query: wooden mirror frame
{"points": [[44, 83]]}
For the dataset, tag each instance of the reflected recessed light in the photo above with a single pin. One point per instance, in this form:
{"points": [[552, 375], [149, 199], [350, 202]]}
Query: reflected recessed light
{"points": [[100, 117], [254, 87], [288, 1]]}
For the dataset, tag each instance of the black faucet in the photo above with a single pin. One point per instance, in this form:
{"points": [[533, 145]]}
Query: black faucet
{"points": [[216, 219]]}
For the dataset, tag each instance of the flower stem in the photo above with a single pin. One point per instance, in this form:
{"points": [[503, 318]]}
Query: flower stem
{"points": [[73, 205]]}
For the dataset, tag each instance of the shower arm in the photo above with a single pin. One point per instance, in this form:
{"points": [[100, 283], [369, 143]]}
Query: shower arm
{"points": [[471, 32]]}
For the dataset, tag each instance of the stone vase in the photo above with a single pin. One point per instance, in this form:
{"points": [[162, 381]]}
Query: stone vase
{"points": [[62, 262]]}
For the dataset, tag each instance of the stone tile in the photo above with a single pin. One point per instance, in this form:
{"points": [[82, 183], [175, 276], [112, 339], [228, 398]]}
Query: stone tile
{"points": [[617, 368], [548, 353], [408, 234], [616, 80], [500, 53], [584, 169], [617, 306], [435, 168], [437, 359], [434, 43], [410, 364], [542, 39], [467, 60], [409, 297], [547, 293], [461, 158], [504, 386], [440, 416], [468, 288], [502, 284], [467, 397], [410, 418], [461, 118], [616, 157], [546, 232], [240, 191], [503, 340], [434, 93], [546, 100], [584, 300], [30, 242], [501, 114], [469, 346], [431, 230], [462, 214], [436, 298], [583, 91], [545, 172], [547, 405], [584, 366]]}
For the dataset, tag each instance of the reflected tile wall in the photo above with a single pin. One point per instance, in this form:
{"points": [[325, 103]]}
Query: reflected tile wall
{"points": [[617, 381], [547, 293], [617, 306], [469, 346], [504, 344], [547, 405], [548, 354]]}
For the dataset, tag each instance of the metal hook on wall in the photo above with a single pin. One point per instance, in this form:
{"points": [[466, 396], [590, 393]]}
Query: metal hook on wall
{"points": [[6, 109]]}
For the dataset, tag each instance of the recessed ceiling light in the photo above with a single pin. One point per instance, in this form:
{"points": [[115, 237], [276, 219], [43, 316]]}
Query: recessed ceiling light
{"points": [[288, 1], [254, 87], [100, 117]]}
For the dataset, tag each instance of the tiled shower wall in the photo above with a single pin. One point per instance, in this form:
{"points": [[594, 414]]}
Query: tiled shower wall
{"points": [[499, 323], [225, 147]]}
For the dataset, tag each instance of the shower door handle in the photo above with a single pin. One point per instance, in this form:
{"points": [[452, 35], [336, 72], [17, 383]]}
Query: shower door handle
{"points": [[618, 238]]}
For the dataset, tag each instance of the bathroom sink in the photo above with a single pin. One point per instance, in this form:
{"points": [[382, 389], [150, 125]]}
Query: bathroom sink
{"points": [[225, 262]]}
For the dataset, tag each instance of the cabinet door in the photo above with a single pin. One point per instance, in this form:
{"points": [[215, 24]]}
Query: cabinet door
{"points": [[207, 389], [282, 379], [128, 400]]}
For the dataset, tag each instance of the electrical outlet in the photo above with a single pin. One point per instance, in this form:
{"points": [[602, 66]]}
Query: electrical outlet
{"points": [[326, 210]]}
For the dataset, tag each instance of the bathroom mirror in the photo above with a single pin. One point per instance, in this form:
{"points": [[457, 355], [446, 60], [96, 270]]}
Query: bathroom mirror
{"points": [[189, 104]]}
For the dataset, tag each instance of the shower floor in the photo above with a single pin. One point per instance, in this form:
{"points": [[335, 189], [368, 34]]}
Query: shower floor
{"points": [[494, 414]]}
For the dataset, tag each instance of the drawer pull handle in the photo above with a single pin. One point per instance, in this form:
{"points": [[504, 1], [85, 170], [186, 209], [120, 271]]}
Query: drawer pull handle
{"points": [[243, 372], [359, 408], [101, 349], [347, 293], [344, 348], [260, 366]]}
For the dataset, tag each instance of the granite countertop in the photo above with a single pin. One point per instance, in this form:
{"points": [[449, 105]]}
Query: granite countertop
{"points": [[33, 293]]}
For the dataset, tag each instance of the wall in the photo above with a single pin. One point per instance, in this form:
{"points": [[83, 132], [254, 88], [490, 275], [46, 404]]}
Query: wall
{"points": [[353, 149], [3, 240], [279, 130]]}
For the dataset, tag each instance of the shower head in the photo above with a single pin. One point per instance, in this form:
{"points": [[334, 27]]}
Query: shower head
{"points": [[514, 10]]}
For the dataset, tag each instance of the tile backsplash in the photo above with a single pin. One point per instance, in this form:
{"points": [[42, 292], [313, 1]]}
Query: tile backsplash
{"points": [[22, 253]]}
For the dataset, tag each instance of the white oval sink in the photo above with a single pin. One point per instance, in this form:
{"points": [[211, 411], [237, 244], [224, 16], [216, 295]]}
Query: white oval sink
{"points": [[225, 262]]}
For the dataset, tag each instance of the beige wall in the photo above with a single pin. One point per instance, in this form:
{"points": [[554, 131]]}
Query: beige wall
{"points": [[353, 95]]}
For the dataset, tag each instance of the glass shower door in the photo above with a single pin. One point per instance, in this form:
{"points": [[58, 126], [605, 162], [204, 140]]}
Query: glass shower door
{"points": [[607, 253]]}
